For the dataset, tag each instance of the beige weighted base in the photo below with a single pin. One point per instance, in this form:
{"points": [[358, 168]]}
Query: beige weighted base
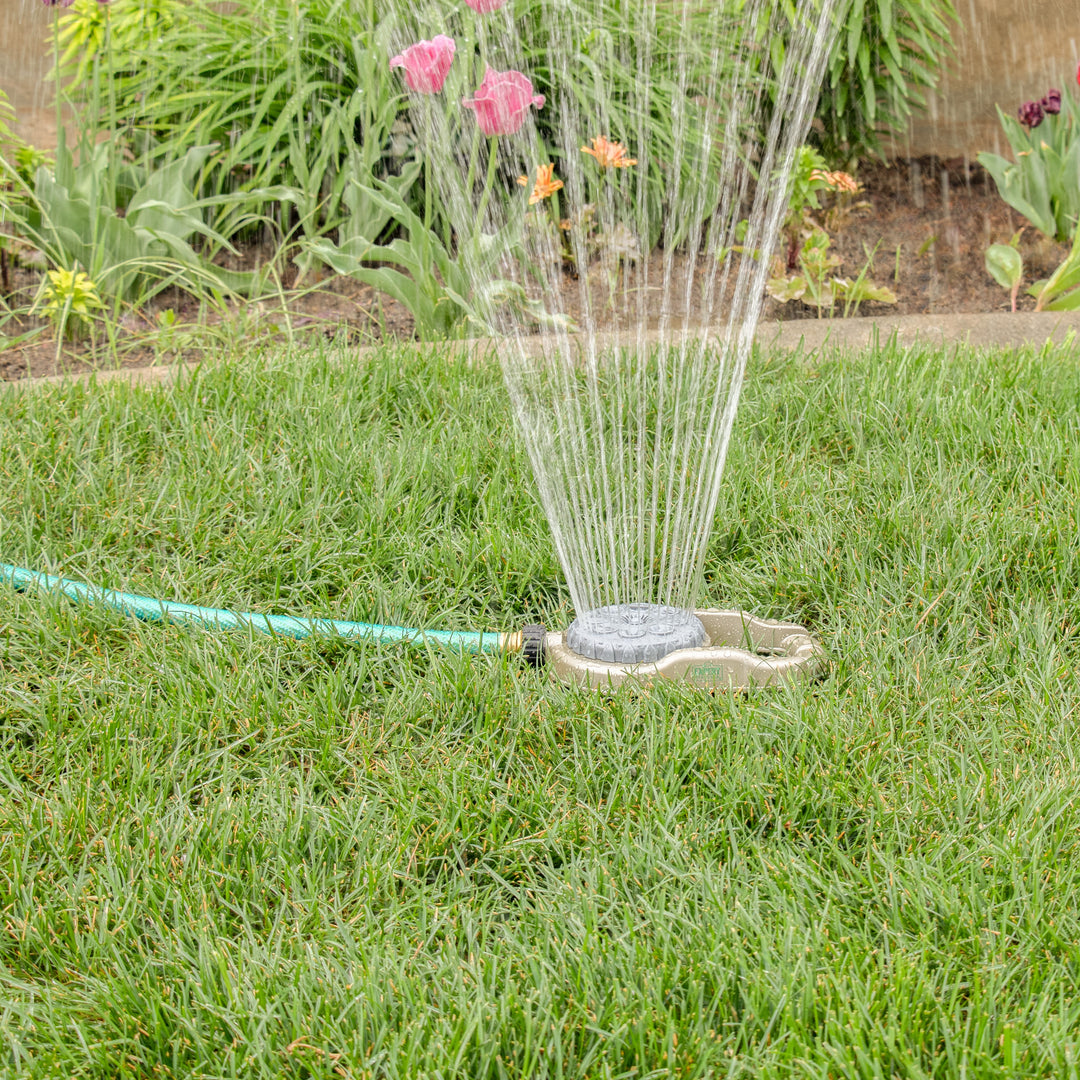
{"points": [[742, 651]]}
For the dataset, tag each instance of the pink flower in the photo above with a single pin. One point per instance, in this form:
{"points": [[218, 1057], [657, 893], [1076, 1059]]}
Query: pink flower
{"points": [[426, 64], [502, 101], [485, 7]]}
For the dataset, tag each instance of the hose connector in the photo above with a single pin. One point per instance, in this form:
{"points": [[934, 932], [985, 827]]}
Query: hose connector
{"points": [[528, 642], [533, 644]]}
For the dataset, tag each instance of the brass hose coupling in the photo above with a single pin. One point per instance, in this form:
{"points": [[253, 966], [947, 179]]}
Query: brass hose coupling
{"points": [[530, 642]]}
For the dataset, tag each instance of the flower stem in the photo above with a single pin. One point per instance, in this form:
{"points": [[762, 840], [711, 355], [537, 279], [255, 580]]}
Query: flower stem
{"points": [[481, 40], [110, 75], [428, 179], [493, 158], [470, 177]]}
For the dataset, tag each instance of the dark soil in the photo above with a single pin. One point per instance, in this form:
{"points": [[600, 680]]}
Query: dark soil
{"points": [[923, 233], [931, 221]]}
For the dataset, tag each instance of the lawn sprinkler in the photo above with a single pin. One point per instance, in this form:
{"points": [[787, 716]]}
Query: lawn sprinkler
{"points": [[601, 648], [646, 642]]}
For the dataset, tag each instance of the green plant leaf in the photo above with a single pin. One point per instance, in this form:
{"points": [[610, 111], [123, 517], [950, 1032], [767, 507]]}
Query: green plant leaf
{"points": [[855, 27], [1064, 278], [1013, 189], [786, 288], [1004, 265], [885, 15], [163, 204], [369, 215], [869, 291], [1068, 302]]}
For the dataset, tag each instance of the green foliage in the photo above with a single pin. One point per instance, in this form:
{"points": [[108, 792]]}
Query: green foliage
{"points": [[1043, 183], [8, 138], [288, 87], [114, 35], [333, 188], [25, 158], [806, 268], [1006, 266], [816, 283], [28, 159], [588, 58], [297, 93], [885, 53], [448, 295], [285, 89], [70, 214], [1061, 291], [69, 298], [369, 211], [807, 179]]}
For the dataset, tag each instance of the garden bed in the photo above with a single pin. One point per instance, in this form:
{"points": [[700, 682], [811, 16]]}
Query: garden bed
{"points": [[927, 226]]}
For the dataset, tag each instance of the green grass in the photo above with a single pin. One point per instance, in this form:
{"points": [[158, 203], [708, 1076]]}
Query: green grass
{"points": [[230, 856]]}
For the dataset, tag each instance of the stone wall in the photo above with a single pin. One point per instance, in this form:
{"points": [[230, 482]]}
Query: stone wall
{"points": [[1007, 51], [25, 63]]}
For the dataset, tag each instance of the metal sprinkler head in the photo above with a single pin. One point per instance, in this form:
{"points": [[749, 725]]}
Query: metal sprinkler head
{"points": [[711, 648], [634, 633]]}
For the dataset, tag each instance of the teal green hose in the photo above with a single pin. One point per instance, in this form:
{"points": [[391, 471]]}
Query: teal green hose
{"points": [[146, 607]]}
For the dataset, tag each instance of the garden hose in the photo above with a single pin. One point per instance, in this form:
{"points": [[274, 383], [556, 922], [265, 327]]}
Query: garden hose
{"points": [[528, 642]]}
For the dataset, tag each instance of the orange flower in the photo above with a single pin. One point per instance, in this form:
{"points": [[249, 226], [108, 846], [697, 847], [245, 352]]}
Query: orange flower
{"points": [[610, 155], [838, 181], [545, 184]]}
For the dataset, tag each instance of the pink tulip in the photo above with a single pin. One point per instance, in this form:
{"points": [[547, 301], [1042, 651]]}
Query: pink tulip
{"points": [[426, 64], [485, 7], [502, 101]]}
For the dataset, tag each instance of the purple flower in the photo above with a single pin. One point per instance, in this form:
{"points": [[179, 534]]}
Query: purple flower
{"points": [[1051, 104], [1030, 114]]}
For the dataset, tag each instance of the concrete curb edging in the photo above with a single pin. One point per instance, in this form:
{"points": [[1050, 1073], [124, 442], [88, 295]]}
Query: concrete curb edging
{"points": [[992, 330]]}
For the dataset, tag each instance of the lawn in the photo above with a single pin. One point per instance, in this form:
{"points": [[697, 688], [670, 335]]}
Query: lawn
{"points": [[231, 855]]}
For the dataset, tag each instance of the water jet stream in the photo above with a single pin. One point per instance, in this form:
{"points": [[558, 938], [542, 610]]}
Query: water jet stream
{"points": [[628, 444]]}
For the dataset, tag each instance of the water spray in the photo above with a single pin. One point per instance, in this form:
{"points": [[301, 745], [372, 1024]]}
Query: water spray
{"points": [[627, 441], [626, 404]]}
